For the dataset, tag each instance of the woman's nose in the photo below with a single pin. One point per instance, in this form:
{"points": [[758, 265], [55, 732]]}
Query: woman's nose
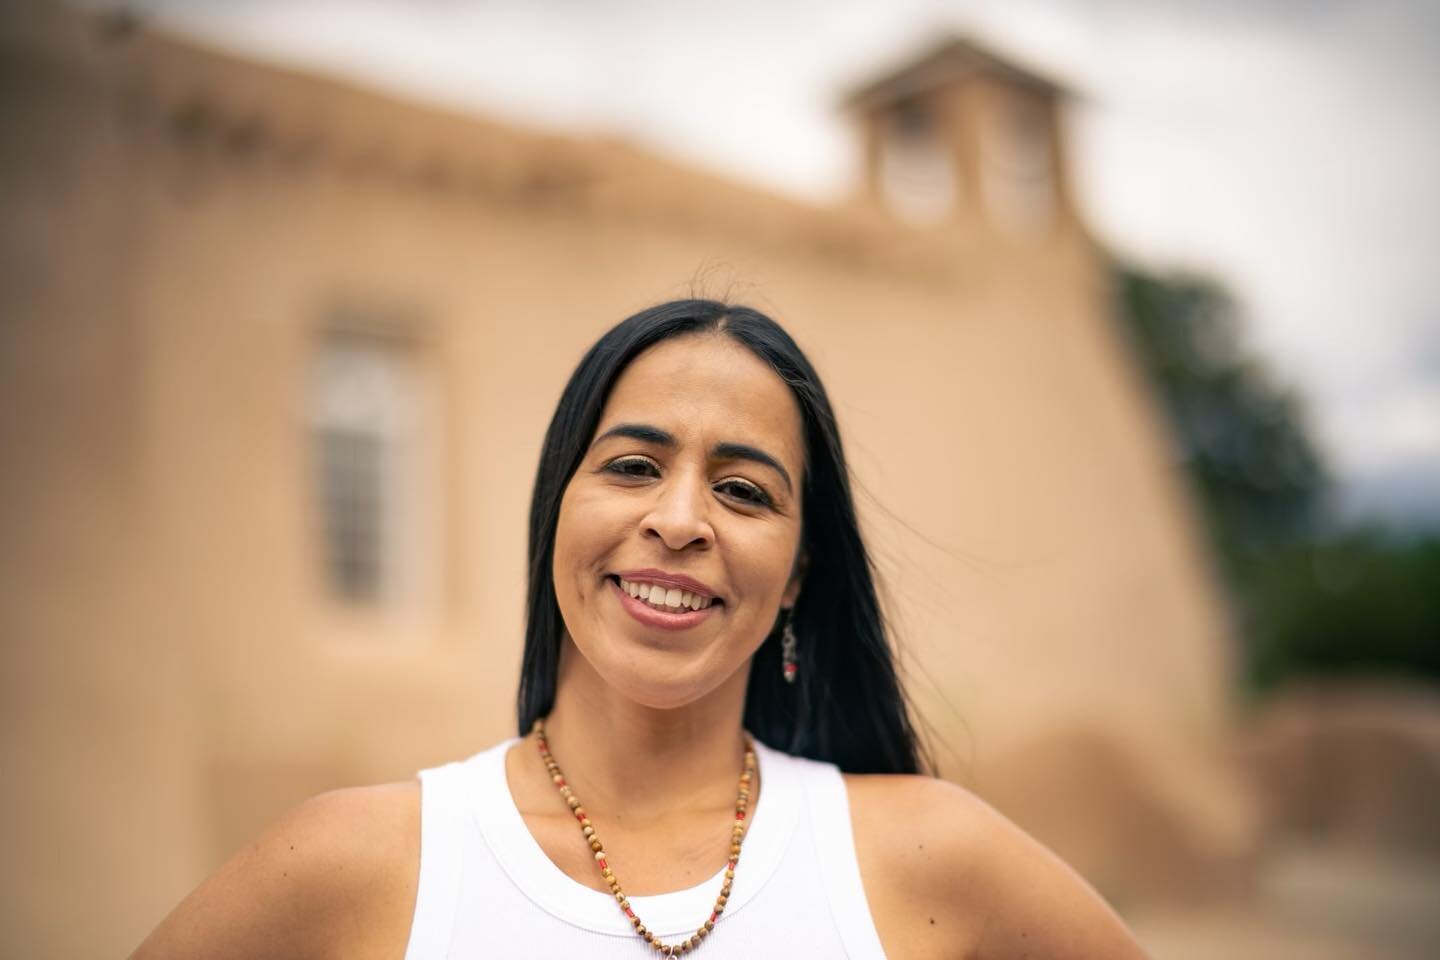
{"points": [[680, 515]]}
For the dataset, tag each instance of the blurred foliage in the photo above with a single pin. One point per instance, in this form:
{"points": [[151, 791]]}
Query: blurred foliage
{"points": [[1353, 602], [1239, 436], [1309, 599]]}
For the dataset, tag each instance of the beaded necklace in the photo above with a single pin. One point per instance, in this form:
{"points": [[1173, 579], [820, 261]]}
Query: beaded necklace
{"points": [[737, 836]]}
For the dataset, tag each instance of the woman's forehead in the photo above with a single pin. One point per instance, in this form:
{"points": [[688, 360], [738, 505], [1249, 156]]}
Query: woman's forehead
{"points": [[704, 384]]}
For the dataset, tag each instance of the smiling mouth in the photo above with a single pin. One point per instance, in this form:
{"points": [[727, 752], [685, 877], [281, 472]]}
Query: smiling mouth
{"points": [[664, 599]]}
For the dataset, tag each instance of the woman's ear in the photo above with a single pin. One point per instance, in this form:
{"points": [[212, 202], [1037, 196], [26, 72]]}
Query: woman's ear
{"points": [[797, 576]]}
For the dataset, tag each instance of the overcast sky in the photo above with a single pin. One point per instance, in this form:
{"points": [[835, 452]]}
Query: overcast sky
{"points": [[1288, 147]]}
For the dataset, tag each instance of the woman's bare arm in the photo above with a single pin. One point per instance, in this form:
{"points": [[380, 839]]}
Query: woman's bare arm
{"points": [[949, 877], [334, 877]]}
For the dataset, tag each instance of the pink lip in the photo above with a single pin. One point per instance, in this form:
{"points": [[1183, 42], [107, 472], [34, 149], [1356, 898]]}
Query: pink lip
{"points": [[651, 617], [674, 580]]}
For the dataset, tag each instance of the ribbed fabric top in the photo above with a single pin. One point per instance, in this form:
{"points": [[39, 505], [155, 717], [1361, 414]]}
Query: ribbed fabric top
{"points": [[487, 889]]}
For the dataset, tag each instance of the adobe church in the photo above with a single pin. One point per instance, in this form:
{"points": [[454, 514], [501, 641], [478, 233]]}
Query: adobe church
{"points": [[278, 354]]}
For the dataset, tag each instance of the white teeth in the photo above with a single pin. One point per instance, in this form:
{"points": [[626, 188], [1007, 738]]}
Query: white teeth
{"points": [[666, 599]]}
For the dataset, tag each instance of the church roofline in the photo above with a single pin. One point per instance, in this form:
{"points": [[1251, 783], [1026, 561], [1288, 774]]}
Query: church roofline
{"points": [[945, 61]]}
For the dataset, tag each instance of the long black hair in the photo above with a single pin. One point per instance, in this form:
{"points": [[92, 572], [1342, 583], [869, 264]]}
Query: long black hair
{"points": [[847, 706]]}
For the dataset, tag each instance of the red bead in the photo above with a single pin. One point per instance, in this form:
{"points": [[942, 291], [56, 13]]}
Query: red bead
{"points": [[714, 917], [603, 864], [739, 814], [580, 816], [629, 913]]}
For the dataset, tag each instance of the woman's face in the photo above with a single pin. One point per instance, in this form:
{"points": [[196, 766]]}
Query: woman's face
{"points": [[689, 496]]}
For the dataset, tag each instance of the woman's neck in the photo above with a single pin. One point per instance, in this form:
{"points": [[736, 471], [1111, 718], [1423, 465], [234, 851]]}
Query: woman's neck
{"points": [[627, 760]]}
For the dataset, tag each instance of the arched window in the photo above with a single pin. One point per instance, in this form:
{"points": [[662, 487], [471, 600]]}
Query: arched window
{"points": [[363, 410], [1017, 165], [918, 177]]}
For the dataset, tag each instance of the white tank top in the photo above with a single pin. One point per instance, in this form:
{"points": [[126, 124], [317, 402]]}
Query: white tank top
{"points": [[487, 890]]}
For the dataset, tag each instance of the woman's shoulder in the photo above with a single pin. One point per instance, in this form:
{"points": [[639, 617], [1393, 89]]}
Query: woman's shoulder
{"points": [[300, 886], [947, 875]]}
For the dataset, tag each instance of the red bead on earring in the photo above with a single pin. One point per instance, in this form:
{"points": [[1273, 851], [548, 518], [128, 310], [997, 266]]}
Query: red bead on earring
{"points": [[789, 666]]}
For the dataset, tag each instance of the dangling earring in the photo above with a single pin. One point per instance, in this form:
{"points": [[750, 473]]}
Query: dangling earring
{"points": [[788, 663]]}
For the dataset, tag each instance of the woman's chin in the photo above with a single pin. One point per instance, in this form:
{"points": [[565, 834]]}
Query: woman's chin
{"points": [[662, 680], [669, 692]]}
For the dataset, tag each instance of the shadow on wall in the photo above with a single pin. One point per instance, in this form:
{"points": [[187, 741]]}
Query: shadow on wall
{"points": [[1352, 766]]}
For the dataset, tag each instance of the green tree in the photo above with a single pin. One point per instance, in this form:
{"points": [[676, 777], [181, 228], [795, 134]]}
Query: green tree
{"points": [[1309, 598], [1240, 436], [1358, 601]]}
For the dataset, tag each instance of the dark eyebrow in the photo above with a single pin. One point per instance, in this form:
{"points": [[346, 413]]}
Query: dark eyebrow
{"points": [[722, 451], [637, 431], [742, 451]]}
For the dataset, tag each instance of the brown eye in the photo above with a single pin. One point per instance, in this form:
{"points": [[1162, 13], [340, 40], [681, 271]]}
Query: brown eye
{"points": [[744, 491], [633, 467]]}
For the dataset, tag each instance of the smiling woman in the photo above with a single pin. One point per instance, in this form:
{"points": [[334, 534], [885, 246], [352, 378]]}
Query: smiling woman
{"points": [[705, 652], [680, 495]]}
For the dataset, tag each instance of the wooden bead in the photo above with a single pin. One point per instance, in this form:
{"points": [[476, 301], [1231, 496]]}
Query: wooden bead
{"points": [[737, 836]]}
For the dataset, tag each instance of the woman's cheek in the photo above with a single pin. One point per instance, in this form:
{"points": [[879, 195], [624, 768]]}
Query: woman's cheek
{"points": [[587, 520], [777, 548]]}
